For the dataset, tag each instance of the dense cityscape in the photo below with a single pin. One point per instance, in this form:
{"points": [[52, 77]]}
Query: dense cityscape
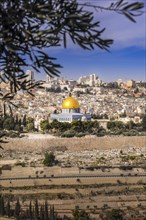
{"points": [[121, 100]]}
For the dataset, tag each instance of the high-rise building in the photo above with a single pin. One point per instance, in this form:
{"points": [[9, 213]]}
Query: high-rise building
{"points": [[90, 80], [30, 76], [130, 83], [48, 78]]}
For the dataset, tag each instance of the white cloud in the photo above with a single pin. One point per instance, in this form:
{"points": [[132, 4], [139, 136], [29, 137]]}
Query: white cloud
{"points": [[119, 28], [124, 32]]}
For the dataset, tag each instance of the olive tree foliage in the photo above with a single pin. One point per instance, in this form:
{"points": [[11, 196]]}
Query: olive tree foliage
{"points": [[115, 214], [49, 159], [80, 214], [28, 28]]}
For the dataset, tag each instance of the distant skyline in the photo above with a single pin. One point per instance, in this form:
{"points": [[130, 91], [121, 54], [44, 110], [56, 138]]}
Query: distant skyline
{"points": [[127, 56]]}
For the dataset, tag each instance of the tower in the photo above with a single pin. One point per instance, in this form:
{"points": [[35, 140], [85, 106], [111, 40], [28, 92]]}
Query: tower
{"points": [[30, 76]]}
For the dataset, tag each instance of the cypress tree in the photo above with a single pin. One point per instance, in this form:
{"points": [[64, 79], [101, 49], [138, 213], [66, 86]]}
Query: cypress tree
{"points": [[26, 213], [2, 207], [53, 215], [36, 210], [19, 122], [8, 209], [42, 212], [17, 209], [16, 119], [30, 212], [24, 121], [33, 212], [46, 211]]}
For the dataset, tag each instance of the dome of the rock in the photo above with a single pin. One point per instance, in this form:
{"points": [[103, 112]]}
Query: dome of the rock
{"points": [[70, 103]]}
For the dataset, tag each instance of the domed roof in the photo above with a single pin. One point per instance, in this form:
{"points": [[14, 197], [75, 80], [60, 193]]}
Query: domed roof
{"points": [[70, 102]]}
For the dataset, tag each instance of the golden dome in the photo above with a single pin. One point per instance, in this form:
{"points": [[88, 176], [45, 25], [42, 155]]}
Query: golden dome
{"points": [[70, 102]]}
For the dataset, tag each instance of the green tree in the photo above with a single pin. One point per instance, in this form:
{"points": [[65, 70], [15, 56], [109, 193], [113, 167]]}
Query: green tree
{"points": [[53, 214], [30, 212], [64, 126], [55, 124], [30, 124], [8, 123], [101, 132], [115, 214], [24, 121], [112, 125], [29, 120], [112, 85], [2, 207], [17, 209], [77, 125], [68, 133], [36, 210], [1, 122], [17, 128], [44, 125], [42, 212], [79, 214], [16, 119], [130, 125], [90, 126], [49, 159], [8, 209], [46, 211]]}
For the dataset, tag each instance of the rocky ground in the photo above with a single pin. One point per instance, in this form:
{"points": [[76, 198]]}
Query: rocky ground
{"points": [[83, 152], [23, 158]]}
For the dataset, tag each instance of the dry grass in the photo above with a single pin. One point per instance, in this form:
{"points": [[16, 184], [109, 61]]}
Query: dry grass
{"points": [[75, 144]]}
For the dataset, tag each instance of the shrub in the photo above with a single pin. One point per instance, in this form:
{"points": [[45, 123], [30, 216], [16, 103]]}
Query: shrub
{"points": [[20, 163], [44, 125], [115, 214], [6, 167], [80, 214], [130, 133], [80, 134], [101, 134], [116, 132], [68, 134], [49, 159]]}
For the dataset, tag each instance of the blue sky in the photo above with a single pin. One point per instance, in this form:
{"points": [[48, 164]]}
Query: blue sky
{"points": [[127, 57]]}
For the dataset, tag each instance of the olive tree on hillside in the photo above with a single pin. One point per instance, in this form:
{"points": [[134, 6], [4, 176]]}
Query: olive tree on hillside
{"points": [[44, 125], [30, 124], [115, 214], [80, 214], [49, 159]]}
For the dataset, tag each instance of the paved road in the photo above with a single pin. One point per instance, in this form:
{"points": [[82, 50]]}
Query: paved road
{"points": [[73, 177]]}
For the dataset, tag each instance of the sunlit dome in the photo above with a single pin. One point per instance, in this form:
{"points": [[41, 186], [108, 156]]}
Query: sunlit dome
{"points": [[70, 103]]}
